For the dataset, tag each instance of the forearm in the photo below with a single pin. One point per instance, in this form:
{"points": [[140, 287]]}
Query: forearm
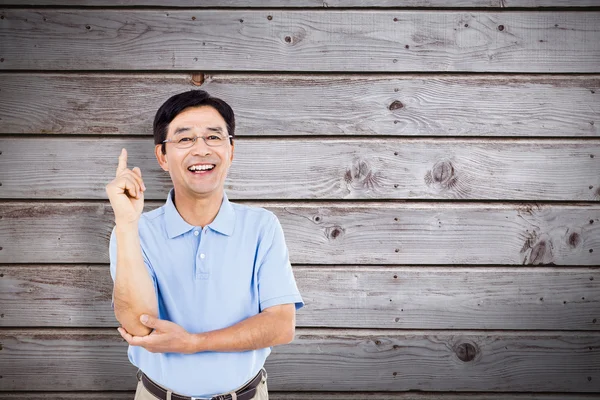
{"points": [[134, 290], [259, 331]]}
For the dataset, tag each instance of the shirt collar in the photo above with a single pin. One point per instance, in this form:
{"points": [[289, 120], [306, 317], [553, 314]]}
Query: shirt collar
{"points": [[223, 223]]}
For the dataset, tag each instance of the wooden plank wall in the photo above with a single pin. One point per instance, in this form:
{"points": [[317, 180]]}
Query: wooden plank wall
{"points": [[435, 165]]}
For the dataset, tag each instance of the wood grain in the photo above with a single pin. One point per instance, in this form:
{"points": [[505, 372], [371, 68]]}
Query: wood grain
{"points": [[394, 105], [310, 3], [341, 360], [300, 40], [319, 396], [465, 169], [340, 233], [343, 297]]}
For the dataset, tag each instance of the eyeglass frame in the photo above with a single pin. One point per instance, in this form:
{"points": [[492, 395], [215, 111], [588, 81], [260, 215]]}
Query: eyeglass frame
{"points": [[195, 140]]}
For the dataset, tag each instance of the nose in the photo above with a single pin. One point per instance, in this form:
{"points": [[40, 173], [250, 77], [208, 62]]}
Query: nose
{"points": [[200, 147]]}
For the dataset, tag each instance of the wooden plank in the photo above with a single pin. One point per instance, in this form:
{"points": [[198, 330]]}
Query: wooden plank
{"points": [[310, 3], [299, 168], [349, 297], [340, 233], [320, 396], [336, 360], [299, 40], [394, 105]]}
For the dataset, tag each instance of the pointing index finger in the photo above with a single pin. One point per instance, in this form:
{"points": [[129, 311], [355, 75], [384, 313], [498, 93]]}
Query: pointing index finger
{"points": [[122, 161]]}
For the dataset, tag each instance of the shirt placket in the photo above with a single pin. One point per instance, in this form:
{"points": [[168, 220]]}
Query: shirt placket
{"points": [[202, 271]]}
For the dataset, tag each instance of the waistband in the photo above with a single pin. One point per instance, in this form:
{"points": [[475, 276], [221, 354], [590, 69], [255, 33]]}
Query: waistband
{"points": [[246, 392]]}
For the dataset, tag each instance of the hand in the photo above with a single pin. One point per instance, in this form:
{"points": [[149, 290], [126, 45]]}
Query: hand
{"points": [[167, 337], [126, 192]]}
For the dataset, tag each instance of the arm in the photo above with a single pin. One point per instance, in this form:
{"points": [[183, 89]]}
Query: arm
{"points": [[133, 292], [273, 326]]}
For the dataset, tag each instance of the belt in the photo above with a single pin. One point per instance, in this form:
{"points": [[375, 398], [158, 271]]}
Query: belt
{"points": [[246, 392]]}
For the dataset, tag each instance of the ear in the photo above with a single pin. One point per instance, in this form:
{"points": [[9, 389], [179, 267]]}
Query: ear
{"points": [[161, 158]]}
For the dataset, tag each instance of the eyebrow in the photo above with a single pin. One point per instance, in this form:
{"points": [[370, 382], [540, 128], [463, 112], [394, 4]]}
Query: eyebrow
{"points": [[186, 128]]}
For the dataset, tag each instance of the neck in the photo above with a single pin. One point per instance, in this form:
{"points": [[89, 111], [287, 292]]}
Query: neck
{"points": [[197, 211]]}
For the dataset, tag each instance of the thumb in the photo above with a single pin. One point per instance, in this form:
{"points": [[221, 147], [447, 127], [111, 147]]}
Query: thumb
{"points": [[149, 320]]}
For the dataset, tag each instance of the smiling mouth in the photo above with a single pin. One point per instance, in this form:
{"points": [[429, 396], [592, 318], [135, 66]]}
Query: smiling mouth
{"points": [[202, 169]]}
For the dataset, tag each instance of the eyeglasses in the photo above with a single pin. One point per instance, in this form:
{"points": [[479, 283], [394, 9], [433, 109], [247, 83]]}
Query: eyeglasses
{"points": [[187, 141]]}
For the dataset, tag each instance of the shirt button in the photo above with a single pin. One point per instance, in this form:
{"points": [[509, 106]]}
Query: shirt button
{"points": [[202, 256], [196, 233]]}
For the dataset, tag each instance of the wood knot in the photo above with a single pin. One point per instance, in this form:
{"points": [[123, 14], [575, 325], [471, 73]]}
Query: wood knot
{"points": [[361, 176], [442, 175], [197, 79], [465, 352], [541, 252], [442, 172], [288, 39], [500, 28], [396, 105], [574, 240], [333, 232]]}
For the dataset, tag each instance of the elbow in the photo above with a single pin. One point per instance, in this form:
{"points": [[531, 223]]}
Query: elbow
{"points": [[290, 336], [288, 333], [129, 318]]}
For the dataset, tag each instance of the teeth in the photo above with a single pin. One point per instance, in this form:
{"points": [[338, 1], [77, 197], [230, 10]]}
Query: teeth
{"points": [[201, 167]]}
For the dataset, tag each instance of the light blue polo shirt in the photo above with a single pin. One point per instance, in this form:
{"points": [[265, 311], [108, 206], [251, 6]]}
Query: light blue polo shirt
{"points": [[208, 279]]}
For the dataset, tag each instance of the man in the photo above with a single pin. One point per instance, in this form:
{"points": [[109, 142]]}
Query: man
{"points": [[202, 287]]}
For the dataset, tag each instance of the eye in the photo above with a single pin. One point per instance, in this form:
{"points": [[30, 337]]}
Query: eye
{"points": [[185, 139], [214, 137]]}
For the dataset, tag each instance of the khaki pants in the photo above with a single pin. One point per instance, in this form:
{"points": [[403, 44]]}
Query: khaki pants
{"points": [[262, 393]]}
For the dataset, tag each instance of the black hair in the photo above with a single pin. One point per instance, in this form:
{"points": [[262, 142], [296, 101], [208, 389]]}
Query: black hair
{"points": [[179, 102]]}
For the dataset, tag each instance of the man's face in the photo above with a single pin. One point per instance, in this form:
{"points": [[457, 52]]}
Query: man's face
{"points": [[200, 121]]}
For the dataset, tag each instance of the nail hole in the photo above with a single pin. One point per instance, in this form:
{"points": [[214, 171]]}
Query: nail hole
{"points": [[269, 17], [500, 28], [193, 18]]}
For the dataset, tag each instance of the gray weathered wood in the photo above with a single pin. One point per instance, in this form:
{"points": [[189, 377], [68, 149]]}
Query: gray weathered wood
{"points": [[339, 360], [340, 233], [80, 168], [247, 40], [310, 3], [319, 396], [436, 105], [350, 297]]}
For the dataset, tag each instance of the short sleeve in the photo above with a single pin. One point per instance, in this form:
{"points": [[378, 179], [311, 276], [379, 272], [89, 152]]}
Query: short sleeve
{"points": [[113, 264], [276, 283]]}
